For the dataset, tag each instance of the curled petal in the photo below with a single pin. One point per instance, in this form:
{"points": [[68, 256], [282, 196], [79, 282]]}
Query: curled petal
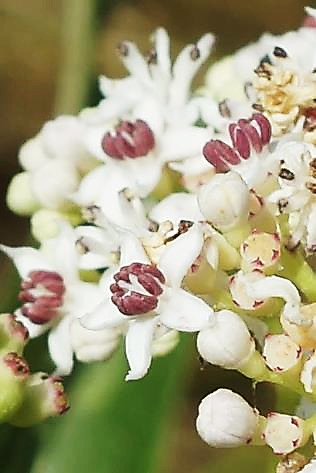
{"points": [[184, 312], [139, 340]]}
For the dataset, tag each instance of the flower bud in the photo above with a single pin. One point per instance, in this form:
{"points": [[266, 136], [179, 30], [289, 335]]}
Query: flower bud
{"points": [[20, 198], [44, 397], [14, 372], [260, 251], [224, 201], [93, 345], [226, 420], [305, 334], [284, 433], [281, 353], [227, 342], [13, 334], [308, 374]]}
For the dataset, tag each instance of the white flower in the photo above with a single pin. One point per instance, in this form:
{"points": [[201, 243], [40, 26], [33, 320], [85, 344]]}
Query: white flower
{"points": [[227, 342], [297, 193], [145, 297], [55, 161], [308, 374], [226, 420], [52, 293]]}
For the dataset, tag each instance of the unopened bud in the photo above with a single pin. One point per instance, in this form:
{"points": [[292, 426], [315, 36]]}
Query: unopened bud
{"points": [[44, 397], [93, 345], [284, 433], [14, 372], [281, 353], [226, 420], [224, 201], [13, 334], [238, 287], [227, 342], [305, 334], [20, 198], [308, 374], [260, 251], [165, 344]]}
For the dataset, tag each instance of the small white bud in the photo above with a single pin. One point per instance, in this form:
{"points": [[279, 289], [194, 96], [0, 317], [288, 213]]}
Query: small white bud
{"points": [[226, 420], [281, 353], [227, 342], [284, 433], [224, 201], [305, 334], [20, 198], [308, 374], [54, 182], [165, 344], [93, 345], [260, 251]]}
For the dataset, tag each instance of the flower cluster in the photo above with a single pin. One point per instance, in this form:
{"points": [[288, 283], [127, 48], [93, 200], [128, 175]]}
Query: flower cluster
{"points": [[161, 211]]}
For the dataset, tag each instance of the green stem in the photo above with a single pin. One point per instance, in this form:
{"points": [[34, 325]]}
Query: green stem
{"points": [[78, 32], [299, 272]]}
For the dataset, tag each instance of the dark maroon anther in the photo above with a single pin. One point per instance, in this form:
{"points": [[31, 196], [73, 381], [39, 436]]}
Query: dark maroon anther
{"points": [[265, 127], [129, 140], [279, 52], [252, 134], [125, 290], [42, 294], [17, 365], [309, 21], [220, 155], [239, 140]]}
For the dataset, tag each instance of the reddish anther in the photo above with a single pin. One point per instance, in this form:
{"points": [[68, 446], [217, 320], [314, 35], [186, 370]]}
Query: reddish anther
{"points": [[125, 295], [17, 365], [129, 140], [220, 155], [42, 293], [264, 126], [309, 21]]}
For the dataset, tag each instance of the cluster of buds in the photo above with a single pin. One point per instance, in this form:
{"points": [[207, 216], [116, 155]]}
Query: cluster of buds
{"points": [[26, 398], [161, 211]]}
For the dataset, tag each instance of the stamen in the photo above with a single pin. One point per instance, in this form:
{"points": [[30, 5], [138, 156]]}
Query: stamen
{"points": [[42, 293], [129, 140], [125, 290]]}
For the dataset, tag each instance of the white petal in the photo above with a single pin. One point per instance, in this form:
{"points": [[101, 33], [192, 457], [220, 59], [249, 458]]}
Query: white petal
{"points": [[181, 143], [274, 286], [104, 315], [81, 298], [139, 346], [136, 64], [184, 312], [176, 207], [132, 251], [27, 259], [35, 330], [59, 345], [180, 254]]}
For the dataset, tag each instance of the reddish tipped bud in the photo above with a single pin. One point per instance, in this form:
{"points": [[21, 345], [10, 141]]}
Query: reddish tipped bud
{"points": [[13, 334]]}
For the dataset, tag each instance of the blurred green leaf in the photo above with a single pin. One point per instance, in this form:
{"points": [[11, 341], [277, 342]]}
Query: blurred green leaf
{"points": [[115, 426], [243, 460]]}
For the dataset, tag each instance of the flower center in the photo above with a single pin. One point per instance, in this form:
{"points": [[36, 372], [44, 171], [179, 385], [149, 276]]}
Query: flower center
{"points": [[246, 135], [42, 293], [129, 140], [136, 288]]}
